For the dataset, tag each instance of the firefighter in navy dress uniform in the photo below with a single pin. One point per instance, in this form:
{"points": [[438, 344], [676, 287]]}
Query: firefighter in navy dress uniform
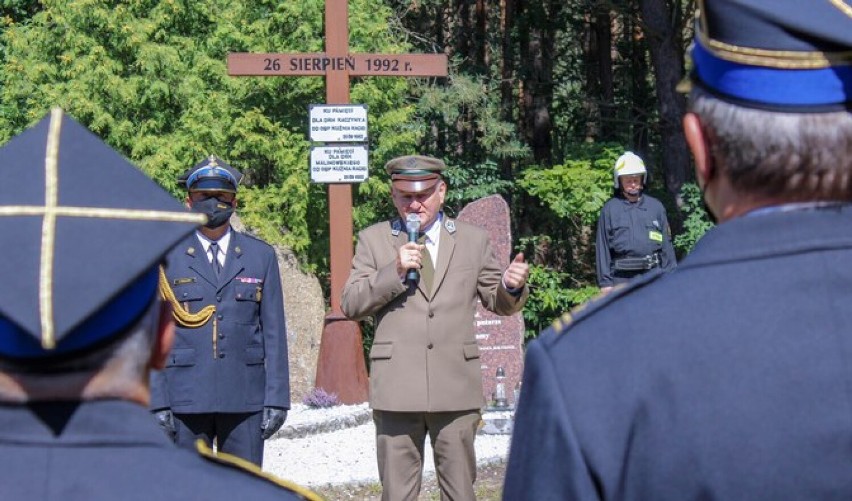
{"points": [[81, 325], [633, 235], [226, 379], [727, 378]]}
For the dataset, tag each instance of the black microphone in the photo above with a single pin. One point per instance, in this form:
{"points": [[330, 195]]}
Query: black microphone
{"points": [[412, 226]]}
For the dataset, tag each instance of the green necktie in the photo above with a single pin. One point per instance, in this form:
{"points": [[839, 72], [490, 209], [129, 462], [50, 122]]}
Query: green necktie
{"points": [[427, 271]]}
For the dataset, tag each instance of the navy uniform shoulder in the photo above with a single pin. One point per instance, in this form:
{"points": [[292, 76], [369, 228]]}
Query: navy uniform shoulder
{"points": [[254, 474], [251, 240], [594, 306]]}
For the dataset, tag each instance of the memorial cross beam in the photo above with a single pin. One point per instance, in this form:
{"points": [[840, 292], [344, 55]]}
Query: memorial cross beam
{"points": [[340, 368]]}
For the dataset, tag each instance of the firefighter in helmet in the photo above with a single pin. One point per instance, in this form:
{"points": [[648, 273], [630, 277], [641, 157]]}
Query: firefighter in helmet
{"points": [[633, 235]]}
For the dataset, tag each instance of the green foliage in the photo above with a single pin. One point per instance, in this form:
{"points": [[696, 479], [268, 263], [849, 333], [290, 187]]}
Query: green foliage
{"points": [[579, 187], [16, 11], [696, 221], [550, 298], [471, 183], [466, 112], [150, 78]]}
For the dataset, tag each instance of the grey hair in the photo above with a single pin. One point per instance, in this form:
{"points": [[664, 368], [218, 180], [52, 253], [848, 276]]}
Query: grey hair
{"points": [[130, 352], [791, 156]]}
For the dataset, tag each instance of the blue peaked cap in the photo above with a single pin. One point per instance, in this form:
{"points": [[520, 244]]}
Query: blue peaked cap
{"points": [[211, 174], [785, 55], [85, 232]]}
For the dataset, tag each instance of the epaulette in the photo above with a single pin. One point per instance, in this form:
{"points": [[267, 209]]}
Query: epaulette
{"points": [[241, 464], [584, 310], [249, 236]]}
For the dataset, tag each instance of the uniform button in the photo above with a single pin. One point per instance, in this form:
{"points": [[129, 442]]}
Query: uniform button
{"points": [[221, 355], [220, 317], [430, 346], [221, 336], [185, 294], [219, 299], [431, 314]]}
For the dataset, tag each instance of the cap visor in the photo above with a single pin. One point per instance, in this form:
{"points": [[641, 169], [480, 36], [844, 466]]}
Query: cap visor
{"points": [[415, 185]]}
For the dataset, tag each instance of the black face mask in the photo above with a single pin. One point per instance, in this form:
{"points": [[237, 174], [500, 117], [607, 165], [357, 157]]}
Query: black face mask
{"points": [[218, 213]]}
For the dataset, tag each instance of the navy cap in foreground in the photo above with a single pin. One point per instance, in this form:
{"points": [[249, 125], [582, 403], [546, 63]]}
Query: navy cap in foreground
{"points": [[84, 232], [211, 174], [786, 55]]}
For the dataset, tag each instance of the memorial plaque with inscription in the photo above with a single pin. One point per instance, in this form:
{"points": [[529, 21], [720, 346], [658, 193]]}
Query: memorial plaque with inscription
{"points": [[500, 338]]}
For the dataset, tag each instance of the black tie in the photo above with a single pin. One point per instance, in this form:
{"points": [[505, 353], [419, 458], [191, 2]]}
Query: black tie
{"points": [[214, 251]]}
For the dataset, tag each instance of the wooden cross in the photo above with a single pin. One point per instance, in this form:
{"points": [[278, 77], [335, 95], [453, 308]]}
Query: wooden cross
{"points": [[340, 368]]}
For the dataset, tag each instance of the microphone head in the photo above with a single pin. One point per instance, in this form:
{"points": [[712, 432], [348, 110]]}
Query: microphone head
{"points": [[412, 223]]}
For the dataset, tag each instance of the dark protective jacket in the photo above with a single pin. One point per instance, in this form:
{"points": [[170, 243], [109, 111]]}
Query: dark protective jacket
{"points": [[632, 230], [237, 361], [727, 378], [109, 450]]}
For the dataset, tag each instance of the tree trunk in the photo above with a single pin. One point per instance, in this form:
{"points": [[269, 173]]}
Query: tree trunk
{"points": [[602, 29], [540, 21], [662, 27], [507, 73]]}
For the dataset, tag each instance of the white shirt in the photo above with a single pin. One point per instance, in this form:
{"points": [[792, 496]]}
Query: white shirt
{"points": [[223, 246]]}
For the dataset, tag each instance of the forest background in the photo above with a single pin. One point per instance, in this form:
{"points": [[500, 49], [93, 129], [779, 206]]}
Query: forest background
{"points": [[542, 96]]}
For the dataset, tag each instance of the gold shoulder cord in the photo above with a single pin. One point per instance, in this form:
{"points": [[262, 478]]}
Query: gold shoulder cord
{"points": [[181, 316]]}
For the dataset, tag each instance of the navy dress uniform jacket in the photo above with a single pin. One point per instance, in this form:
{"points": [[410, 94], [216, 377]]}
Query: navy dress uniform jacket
{"points": [[727, 378], [631, 230], [110, 450], [236, 362]]}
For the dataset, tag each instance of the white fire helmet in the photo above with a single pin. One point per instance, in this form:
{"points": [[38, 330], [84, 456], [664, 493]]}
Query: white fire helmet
{"points": [[628, 164]]}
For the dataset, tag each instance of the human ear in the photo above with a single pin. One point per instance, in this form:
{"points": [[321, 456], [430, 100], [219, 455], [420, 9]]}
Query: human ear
{"points": [[696, 138]]}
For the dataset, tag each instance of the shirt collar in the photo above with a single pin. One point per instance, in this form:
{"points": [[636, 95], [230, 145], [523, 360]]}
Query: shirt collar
{"points": [[222, 242], [433, 232]]}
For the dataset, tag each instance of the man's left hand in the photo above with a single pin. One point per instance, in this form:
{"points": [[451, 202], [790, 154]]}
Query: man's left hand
{"points": [[515, 276], [273, 419]]}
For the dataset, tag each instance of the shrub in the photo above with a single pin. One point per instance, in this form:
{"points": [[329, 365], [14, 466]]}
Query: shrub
{"points": [[320, 399]]}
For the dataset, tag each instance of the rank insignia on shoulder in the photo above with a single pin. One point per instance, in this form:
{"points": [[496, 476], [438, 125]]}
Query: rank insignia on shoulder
{"points": [[561, 323], [182, 281], [396, 227], [450, 225]]}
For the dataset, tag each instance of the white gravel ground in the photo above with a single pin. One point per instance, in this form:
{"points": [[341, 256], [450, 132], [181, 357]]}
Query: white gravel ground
{"points": [[347, 455]]}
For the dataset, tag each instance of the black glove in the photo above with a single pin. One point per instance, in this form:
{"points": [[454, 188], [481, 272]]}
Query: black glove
{"points": [[273, 418], [166, 420]]}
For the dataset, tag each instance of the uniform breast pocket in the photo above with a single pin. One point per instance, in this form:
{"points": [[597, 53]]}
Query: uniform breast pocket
{"points": [[248, 292], [619, 234], [248, 297], [188, 296]]}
